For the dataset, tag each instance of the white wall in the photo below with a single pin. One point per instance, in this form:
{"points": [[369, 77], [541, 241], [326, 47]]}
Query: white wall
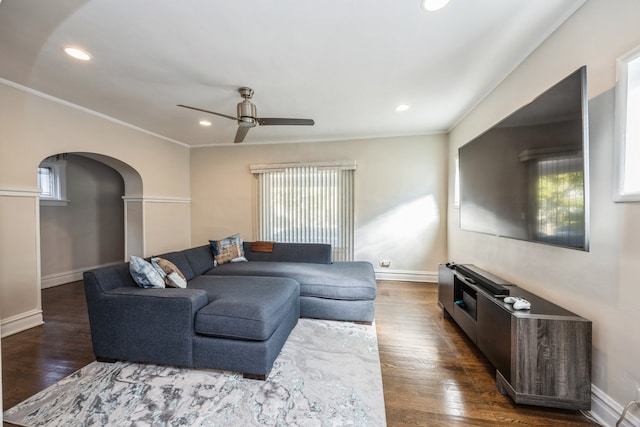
{"points": [[400, 195], [601, 285], [33, 127]]}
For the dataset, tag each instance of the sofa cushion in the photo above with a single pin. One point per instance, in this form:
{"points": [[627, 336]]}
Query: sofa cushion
{"points": [[144, 274], [248, 308], [340, 280], [200, 259], [229, 249]]}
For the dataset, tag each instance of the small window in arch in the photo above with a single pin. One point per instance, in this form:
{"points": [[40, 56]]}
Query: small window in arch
{"points": [[52, 182]]}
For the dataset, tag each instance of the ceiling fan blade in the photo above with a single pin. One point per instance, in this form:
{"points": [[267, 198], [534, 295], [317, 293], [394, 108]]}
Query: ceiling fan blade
{"points": [[275, 121], [241, 133], [207, 111]]}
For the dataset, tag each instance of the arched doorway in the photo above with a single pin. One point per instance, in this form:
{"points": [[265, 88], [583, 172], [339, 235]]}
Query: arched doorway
{"points": [[132, 198], [133, 203], [81, 217]]}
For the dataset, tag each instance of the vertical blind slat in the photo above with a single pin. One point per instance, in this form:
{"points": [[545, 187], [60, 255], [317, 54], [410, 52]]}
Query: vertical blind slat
{"points": [[308, 205]]}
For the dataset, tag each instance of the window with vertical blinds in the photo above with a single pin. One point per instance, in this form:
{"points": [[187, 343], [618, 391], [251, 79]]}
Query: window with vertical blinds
{"points": [[307, 203], [559, 200]]}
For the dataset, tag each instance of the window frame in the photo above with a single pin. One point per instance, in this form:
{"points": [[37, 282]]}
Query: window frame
{"points": [[59, 191], [622, 144], [456, 182]]}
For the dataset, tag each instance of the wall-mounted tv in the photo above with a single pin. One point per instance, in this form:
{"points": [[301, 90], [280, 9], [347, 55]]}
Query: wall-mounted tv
{"points": [[527, 177]]}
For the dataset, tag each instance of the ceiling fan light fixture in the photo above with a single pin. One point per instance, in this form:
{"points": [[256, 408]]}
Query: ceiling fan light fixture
{"points": [[247, 122], [77, 53], [433, 5]]}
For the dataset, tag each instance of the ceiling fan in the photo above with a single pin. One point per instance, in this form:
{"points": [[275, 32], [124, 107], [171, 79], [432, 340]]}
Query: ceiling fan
{"points": [[247, 116]]}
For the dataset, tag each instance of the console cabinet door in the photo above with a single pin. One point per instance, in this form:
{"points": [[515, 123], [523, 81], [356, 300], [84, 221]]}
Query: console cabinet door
{"points": [[445, 288], [494, 334], [552, 364]]}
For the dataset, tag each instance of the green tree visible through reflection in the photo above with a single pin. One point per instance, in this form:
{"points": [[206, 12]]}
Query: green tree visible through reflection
{"points": [[560, 208]]}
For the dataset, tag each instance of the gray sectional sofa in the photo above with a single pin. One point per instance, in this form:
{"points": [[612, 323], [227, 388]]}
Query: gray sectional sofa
{"points": [[233, 317]]}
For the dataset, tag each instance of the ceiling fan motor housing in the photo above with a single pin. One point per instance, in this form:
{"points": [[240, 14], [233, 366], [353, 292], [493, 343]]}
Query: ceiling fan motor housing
{"points": [[247, 114]]}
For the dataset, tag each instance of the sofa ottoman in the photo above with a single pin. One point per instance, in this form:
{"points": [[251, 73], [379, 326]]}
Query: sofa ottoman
{"points": [[245, 324], [247, 308]]}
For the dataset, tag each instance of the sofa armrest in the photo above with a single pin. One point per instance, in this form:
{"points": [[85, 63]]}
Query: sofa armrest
{"points": [[317, 253], [147, 325]]}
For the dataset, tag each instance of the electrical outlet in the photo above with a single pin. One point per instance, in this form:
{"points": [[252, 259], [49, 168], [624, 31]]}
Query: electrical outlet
{"points": [[385, 263]]}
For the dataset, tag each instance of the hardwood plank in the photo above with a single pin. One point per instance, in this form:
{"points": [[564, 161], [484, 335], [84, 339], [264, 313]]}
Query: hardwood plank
{"points": [[432, 374]]}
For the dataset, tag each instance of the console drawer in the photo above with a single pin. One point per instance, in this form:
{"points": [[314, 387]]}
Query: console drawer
{"points": [[470, 304], [465, 321]]}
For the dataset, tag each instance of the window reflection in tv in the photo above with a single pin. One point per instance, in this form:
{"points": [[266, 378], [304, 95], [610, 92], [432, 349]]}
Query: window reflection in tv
{"points": [[527, 177]]}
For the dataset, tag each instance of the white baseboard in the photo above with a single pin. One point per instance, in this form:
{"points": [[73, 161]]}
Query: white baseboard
{"points": [[406, 275], [63, 278], [607, 411], [21, 322]]}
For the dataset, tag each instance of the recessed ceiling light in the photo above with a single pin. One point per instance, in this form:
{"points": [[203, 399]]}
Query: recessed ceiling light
{"points": [[205, 123], [402, 107], [432, 5], [76, 52]]}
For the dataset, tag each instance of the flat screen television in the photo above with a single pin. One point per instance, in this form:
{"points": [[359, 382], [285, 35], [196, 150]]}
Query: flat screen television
{"points": [[527, 177]]}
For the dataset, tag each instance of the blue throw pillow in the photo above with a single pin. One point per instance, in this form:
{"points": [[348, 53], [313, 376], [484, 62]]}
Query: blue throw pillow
{"points": [[228, 250], [144, 274]]}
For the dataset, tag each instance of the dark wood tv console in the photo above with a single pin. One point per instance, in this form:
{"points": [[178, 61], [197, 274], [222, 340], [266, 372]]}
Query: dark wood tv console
{"points": [[542, 356]]}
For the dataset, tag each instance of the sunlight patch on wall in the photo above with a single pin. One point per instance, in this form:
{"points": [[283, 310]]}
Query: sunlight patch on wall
{"points": [[406, 232]]}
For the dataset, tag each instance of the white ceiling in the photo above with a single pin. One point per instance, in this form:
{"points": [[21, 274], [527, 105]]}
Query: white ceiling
{"points": [[344, 63]]}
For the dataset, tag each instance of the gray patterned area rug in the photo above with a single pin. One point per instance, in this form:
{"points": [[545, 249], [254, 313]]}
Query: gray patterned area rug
{"points": [[328, 374]]}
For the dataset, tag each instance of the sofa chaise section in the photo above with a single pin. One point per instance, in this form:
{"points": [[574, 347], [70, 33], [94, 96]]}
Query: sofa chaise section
{"points": [[245, 324], [226, 323], [343, 291]]}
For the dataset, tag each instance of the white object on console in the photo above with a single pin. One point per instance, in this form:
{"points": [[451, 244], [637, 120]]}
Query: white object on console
{"points": [[518, 303]]}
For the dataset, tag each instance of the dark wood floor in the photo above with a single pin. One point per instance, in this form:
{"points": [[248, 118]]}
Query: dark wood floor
{"points": [[432, 375]]}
